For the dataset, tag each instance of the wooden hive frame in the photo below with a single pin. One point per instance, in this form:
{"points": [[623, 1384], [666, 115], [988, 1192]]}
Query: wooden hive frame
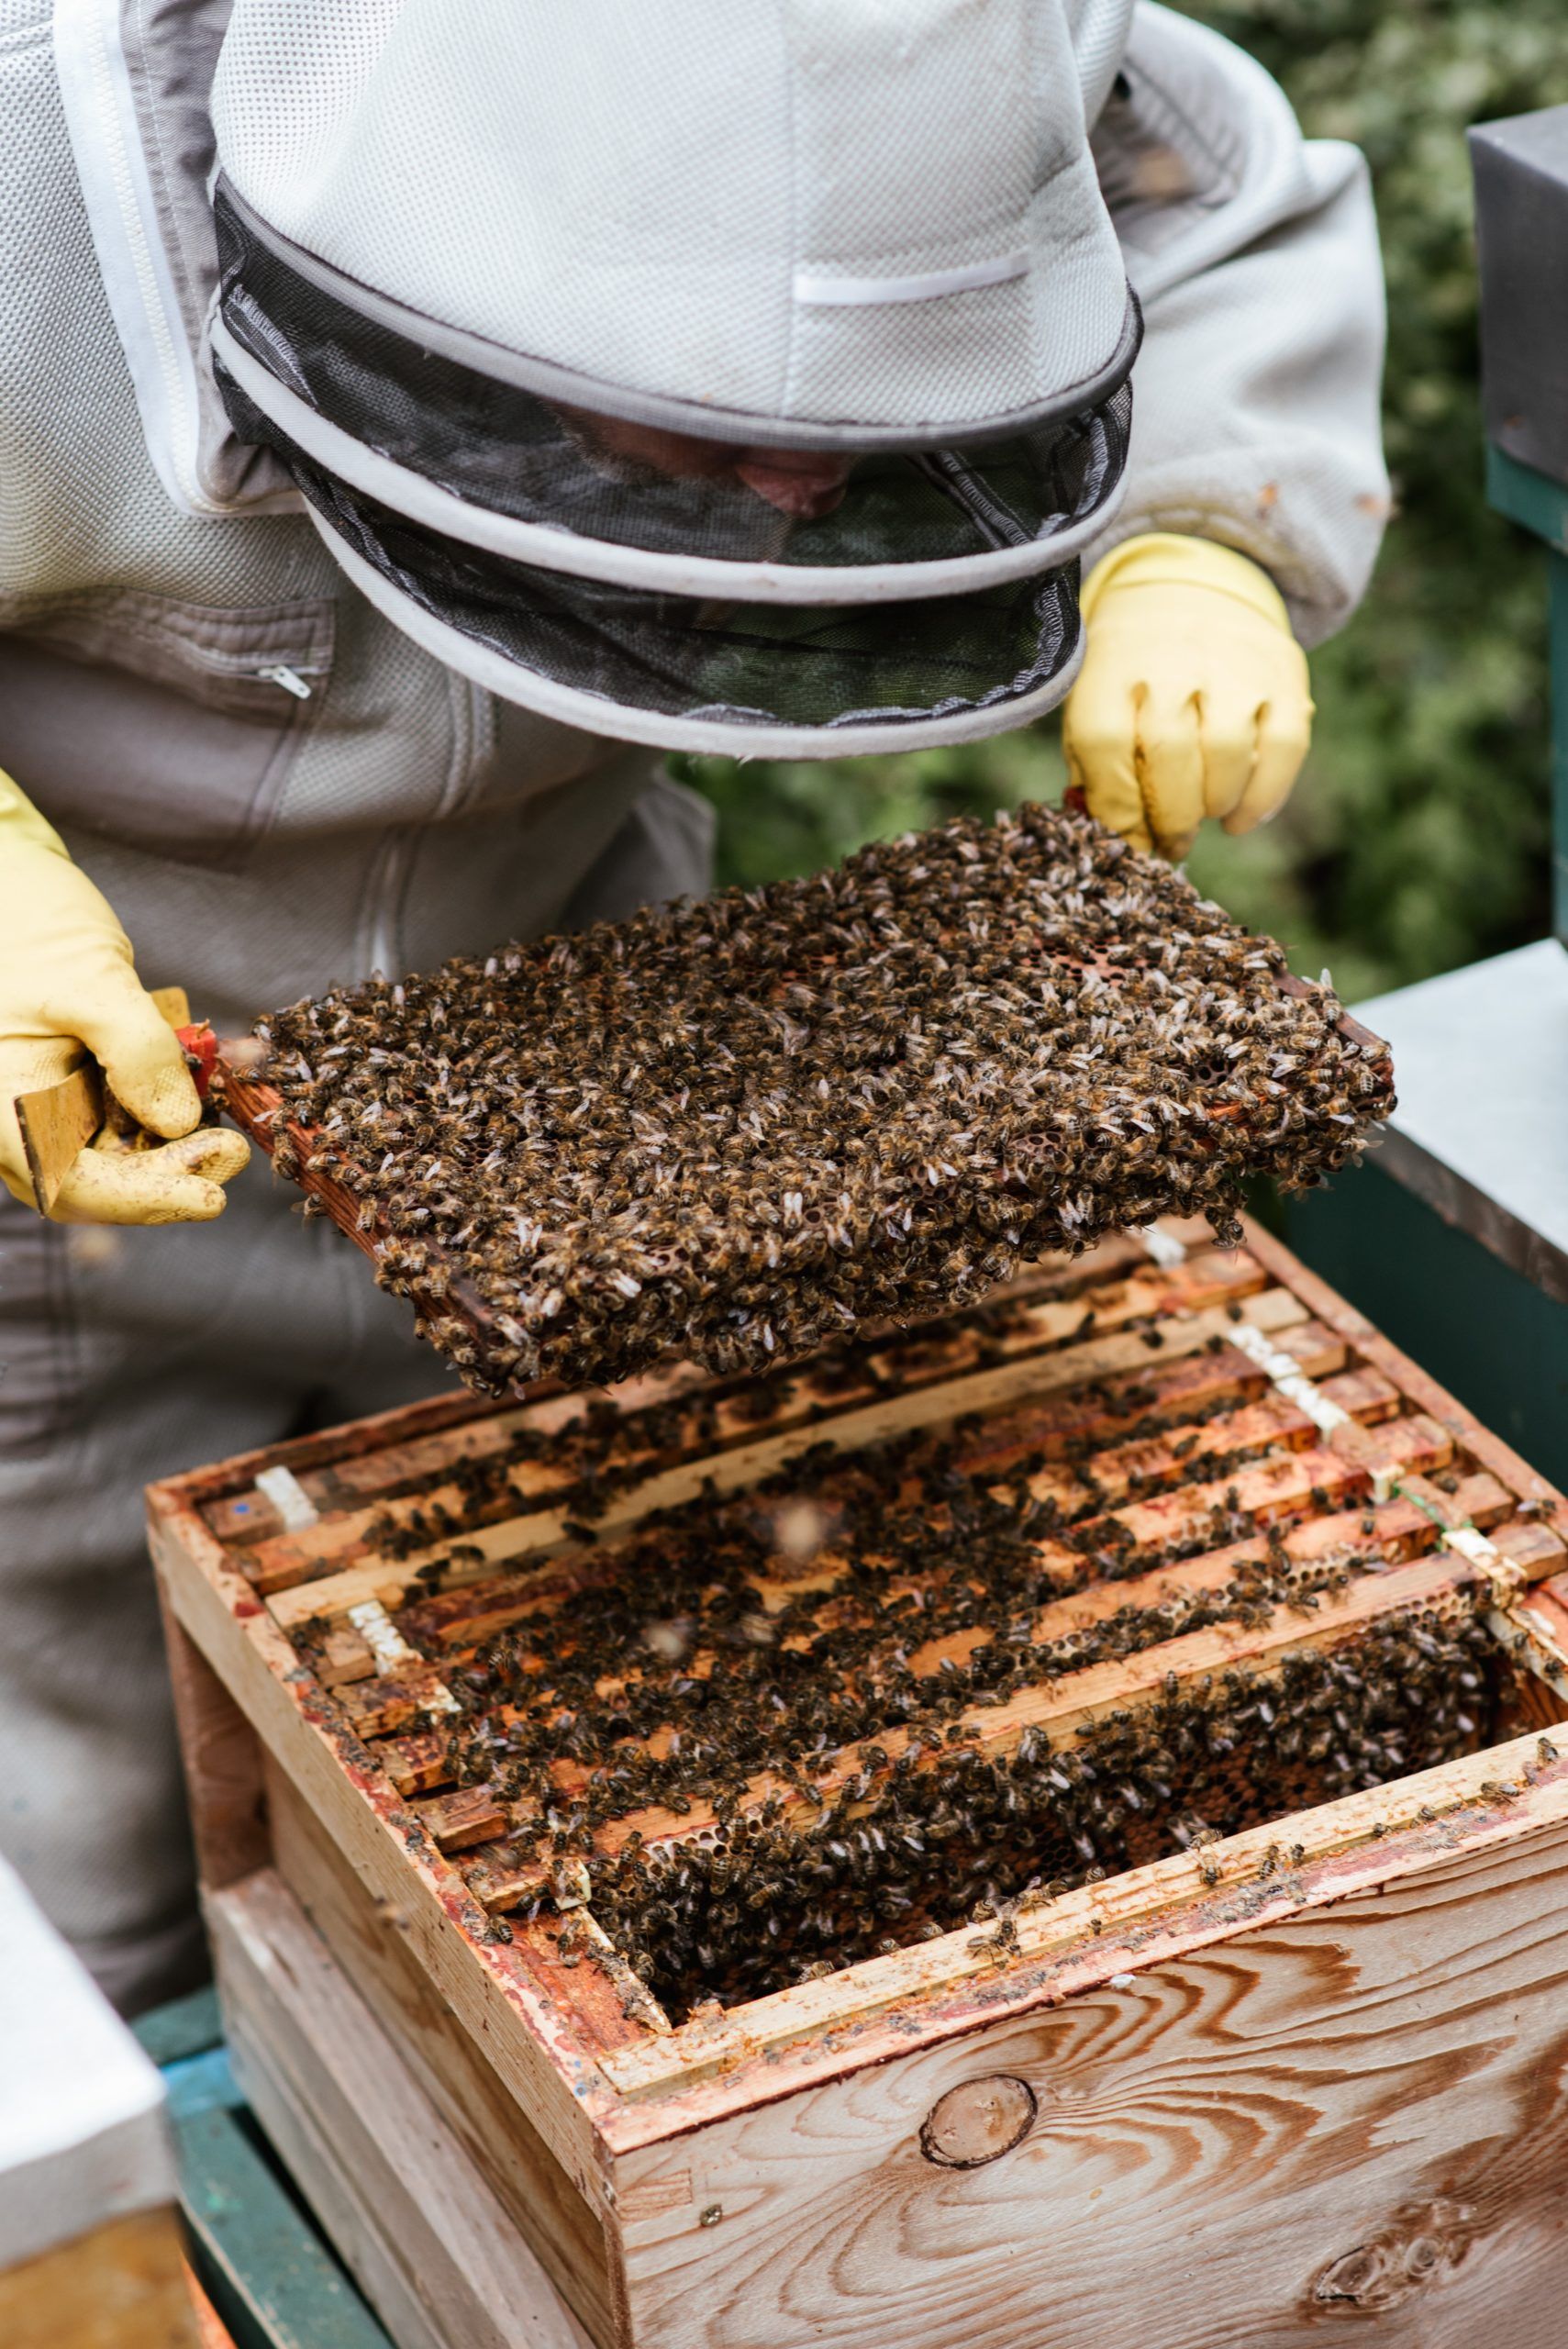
{"points": [[816, 2165], [447, 1294]]}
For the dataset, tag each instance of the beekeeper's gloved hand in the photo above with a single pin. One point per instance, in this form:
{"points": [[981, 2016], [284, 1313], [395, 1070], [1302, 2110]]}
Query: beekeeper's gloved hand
{"points": [[67, 980], [1193, 699]]}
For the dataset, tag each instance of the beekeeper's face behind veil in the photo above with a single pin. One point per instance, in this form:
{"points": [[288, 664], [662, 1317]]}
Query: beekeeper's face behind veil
{"points": [[724, 376], [805, 484]]}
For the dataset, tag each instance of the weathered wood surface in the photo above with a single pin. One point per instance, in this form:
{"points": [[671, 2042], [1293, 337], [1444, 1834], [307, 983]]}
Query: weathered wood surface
{"points": [[542, 2052], [1355, 2113], [1352, 2112], [1290, 1470], [57, 1122], [563, 2208], [668, 2181], [432, 2247], [222, 1759], [945, 1989], [120, 2286]]}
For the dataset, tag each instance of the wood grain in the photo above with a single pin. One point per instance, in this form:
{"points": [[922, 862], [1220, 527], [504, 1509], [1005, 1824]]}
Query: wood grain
{"points": [[57, 1123], [59, 1120], [222, 1759], [1309, 2076], [121, 2286], [1357, 2111], [431, 2244], [559, 2207], [533, 2044]]}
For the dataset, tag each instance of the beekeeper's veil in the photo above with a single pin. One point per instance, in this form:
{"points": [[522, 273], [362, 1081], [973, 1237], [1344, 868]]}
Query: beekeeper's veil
{"points": [[737, 375]]}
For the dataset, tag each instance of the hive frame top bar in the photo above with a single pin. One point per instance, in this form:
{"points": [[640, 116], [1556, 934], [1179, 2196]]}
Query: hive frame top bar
{"points": [[562, 2038]]}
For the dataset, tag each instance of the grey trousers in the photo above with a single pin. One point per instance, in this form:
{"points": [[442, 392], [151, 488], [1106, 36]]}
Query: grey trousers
{"points": [[127, 1356]]}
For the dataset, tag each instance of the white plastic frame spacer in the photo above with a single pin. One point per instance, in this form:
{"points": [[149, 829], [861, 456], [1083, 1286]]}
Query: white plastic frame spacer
{"points": [[289, 1498], [1165, 1249], [1286, 1373]]}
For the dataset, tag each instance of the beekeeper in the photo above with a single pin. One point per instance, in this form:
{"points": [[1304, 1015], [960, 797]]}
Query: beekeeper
{"points": [[417, 414]]}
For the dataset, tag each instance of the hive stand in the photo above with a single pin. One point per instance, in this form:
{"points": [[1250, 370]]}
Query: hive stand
{"points": [[1311, 2072]]}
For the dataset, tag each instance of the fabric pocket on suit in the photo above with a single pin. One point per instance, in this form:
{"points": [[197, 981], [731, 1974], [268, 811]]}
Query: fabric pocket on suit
{"points": [[169, 727]]}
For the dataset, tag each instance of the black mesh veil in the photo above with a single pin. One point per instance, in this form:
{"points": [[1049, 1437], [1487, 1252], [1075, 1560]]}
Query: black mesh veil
{"points": [[681, 658], [576, 547]]}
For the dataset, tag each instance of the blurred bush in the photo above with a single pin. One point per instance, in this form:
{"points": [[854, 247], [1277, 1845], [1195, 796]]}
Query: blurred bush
{"points": [[1418, 839]]}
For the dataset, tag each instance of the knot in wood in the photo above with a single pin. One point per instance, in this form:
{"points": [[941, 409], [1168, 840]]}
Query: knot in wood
{"points": [[1355, 2275], [978, 2121], [1401, 2260]]}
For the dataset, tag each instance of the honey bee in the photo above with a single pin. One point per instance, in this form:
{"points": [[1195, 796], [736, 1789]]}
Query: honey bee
{"points": [[744, 1131], [748, 1126]]}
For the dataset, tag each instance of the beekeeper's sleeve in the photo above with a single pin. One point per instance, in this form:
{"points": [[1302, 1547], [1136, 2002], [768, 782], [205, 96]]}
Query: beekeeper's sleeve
{"points": [[1254, 253]]}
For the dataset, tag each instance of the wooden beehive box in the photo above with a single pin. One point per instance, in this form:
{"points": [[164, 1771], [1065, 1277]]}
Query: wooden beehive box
{"points": [[1309, 2073]]}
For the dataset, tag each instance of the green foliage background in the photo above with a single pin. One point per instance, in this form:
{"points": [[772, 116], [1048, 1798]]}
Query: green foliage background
{"points": [[1418, 837]]}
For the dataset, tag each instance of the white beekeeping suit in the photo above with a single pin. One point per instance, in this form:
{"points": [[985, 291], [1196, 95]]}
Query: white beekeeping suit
{"points": [[1254, 254], [404, 437]]}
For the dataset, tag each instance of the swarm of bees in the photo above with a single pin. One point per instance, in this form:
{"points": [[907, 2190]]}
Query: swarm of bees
{"points": [[740, 1129], [975, 1837], [805, 1711]]}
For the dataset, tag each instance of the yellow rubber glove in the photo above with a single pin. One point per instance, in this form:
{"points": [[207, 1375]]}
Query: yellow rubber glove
{"points": [[67, 980], [1194, 698]]}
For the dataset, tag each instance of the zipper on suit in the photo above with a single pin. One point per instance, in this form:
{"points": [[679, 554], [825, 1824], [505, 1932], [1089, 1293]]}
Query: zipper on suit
{"points": [[292, 680]]}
